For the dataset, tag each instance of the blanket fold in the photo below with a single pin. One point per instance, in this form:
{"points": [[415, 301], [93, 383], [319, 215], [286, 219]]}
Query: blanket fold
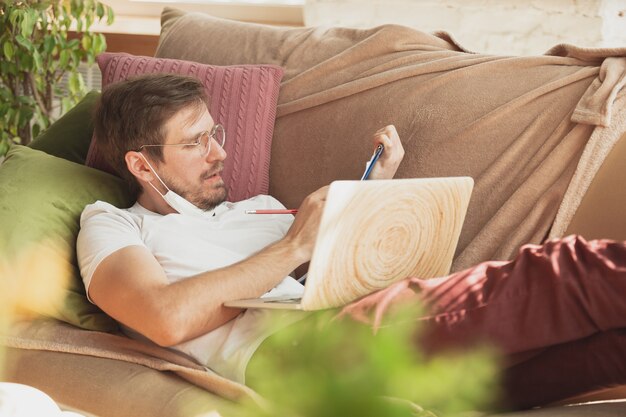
{"points": [[55, 336]]}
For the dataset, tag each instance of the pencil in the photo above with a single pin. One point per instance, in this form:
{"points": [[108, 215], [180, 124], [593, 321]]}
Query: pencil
{"points": [[286, 211]]}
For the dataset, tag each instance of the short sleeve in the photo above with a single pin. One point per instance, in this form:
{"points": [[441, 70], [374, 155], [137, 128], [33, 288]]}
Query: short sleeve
{"points": [[104, 229]]}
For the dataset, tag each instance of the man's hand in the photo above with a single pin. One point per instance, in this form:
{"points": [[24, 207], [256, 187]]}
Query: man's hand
{"points": [[387, 164], [131, 286], [303, 232]]}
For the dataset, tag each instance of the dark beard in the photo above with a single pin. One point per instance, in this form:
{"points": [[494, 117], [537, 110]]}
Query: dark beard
{"points": [[218, 195], [209, 203]]}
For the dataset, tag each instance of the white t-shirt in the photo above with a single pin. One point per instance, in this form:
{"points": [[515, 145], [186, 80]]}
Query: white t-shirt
{"points": [[185, 245]]}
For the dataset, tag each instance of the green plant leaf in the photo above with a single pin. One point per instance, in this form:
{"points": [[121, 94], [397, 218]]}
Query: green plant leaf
{"points": [[6, 95], [25, 100], [86, 42], [10, 68], [75, 54], [38, 61], [100, 10], [65, 23], [17, 120], [74, 43], [4, 147], [4, 71], [78, 8], [8, 116], [36, 129], [26, 63], [44, 19], [14, 15], [8, 50], [74, 83], [24, 43], [91, 59], [96, 43], [28, 21], [102, 44], [23, 116], [40, 83], [48, 44], [66, 103], [64, 58], [110, 15], [88, 22]]}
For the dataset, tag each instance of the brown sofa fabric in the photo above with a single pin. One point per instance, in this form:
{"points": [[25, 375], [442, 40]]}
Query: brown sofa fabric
{"points": [[505, 121], [54, 336], [108, 387], [602, 212]]}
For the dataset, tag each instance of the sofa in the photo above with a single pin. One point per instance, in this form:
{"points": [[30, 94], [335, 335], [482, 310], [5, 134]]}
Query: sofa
{"points": [[543, 137]]}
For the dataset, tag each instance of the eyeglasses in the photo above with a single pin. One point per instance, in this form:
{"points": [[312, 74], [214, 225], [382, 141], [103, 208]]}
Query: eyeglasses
{"points": [[202, 142]]}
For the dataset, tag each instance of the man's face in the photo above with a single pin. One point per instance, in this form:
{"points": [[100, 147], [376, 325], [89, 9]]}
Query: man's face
{"points": [[184, 169]]}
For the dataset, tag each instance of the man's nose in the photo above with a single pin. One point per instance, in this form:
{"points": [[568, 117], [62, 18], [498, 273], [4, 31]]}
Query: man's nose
{"points": [[216, 153]]}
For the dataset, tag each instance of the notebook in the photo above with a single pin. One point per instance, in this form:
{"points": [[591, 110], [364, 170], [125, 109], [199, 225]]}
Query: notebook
{"points": [[377, 232]]}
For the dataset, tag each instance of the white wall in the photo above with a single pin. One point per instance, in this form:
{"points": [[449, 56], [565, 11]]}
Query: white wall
{"points": [[519, 27]]}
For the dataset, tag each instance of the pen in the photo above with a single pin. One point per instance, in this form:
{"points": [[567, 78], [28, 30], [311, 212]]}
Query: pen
{"points": [[372, 161], [366, 174], [286, 211]]}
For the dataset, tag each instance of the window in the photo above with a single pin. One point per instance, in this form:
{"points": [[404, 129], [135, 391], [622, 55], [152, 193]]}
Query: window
{"points": [[281, 12], [266, 2]]}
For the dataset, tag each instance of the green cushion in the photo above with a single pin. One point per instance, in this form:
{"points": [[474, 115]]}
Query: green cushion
{"points": [[41, 199], [70, 136]]}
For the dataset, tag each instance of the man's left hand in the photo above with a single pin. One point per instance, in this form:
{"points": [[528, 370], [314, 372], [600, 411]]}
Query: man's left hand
{"points": [[387, 164]]}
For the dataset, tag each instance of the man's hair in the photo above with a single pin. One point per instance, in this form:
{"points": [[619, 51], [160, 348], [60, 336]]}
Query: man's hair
{"points": [[134, 112]]}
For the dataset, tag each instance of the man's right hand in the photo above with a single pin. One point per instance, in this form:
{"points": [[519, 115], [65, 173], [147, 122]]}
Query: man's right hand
{"points": [[131, 286], [303, 232]]}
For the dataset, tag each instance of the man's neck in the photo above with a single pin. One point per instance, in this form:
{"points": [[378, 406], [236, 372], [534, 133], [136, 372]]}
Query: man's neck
{"points": [[155, 203]]}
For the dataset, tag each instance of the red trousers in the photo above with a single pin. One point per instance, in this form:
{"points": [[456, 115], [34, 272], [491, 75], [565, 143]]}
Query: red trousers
{"points": [[558, 311]]}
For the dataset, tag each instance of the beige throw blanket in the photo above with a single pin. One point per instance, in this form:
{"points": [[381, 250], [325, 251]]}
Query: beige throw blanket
{"points": [[52, 335], [517, 125]]}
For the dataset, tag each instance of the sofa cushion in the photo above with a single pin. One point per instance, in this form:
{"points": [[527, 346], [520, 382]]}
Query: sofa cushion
{"points": [[70, 136], [242, 98], [41, 199]]}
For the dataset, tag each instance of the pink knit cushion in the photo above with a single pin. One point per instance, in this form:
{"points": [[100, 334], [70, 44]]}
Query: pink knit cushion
{"points": [[242, 98]]}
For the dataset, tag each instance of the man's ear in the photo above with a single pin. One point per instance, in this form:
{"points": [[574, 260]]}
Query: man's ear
{"points": [[137, 165]]}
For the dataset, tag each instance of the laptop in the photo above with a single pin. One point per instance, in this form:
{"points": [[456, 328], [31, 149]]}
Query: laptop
{"points": [[377, 232]]}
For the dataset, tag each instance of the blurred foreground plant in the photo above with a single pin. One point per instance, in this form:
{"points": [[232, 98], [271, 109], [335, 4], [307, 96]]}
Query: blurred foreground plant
{"points": [[23, 292], [337, 368]]}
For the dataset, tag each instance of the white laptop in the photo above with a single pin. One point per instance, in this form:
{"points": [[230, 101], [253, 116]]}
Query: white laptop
{"points": [[374, 233]]}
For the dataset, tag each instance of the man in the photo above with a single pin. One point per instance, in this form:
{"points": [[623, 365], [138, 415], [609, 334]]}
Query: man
{"points": [[164, 267]]}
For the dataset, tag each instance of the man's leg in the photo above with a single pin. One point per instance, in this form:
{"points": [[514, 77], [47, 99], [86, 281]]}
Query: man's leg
{"points": [[562, 291], [559, 292], [566, 370], [558, 311]]}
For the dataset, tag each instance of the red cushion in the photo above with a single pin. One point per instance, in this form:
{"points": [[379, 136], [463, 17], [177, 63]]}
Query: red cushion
{"points": [[242, 98]]}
